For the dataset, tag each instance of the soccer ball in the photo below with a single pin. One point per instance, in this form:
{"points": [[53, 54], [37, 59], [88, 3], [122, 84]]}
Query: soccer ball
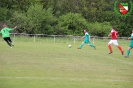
{"points": [[69, 46]]}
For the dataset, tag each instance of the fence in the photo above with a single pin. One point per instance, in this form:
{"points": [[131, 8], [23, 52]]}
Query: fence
{"points": [[36, 36], [55, 37]]}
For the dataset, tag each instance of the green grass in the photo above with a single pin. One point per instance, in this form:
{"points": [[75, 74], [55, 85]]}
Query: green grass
{"points": [[48, 64]]}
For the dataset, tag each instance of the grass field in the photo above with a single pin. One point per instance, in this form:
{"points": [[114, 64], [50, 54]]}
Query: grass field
{"points": [[48, 64]]}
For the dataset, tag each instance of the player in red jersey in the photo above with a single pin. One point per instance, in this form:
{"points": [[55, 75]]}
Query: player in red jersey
{"points": [[113, 41]]}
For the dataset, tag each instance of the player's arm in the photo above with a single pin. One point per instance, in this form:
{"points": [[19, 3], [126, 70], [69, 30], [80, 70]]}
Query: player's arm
{"points": [[130, 38], [109, 35], [89, 37], [15, 27], [117, 34], [9, 29], [81, 38]]}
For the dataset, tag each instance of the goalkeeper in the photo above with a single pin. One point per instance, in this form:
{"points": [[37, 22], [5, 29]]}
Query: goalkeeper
{"points": [[6, 35]]}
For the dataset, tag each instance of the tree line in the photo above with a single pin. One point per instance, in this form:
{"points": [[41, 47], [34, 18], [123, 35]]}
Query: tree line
{"points": [[65, 17]]}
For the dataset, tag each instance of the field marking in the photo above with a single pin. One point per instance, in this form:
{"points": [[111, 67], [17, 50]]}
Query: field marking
{"points": [[123, 61], [60, 78], [130, 63]]}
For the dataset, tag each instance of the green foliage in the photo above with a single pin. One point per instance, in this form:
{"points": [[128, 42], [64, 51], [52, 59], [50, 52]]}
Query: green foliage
{"points": [[35, 16], [4, 14], [99, 29], [60, 16], [18, 5], [35, 20], [72, 23], [20, 20]]}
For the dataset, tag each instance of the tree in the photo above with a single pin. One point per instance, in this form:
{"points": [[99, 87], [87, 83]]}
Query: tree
{"points": [[3, 14], [72, 23], [92, 11], [20, 20], [35, 20], [18, 5], [99, 29], [39, 19]]}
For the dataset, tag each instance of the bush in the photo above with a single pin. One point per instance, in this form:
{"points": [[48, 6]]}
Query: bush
{"points": [[72, 24], [99, 29]]}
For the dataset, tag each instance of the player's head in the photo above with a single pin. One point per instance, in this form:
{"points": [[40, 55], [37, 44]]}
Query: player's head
{"points": [[85, 30], [4, 25], [113, 27]]}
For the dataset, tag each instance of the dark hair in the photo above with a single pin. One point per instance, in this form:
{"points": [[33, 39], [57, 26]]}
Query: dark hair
{"points": [[85, 30], [113, 27], [4, 24]]}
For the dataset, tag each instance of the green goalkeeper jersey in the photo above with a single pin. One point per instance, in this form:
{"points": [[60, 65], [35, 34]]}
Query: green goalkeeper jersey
{"points": [[5, 32]]}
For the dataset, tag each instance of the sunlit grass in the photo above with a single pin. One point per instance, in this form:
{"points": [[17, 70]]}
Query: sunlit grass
{"points": [[46, 63]]}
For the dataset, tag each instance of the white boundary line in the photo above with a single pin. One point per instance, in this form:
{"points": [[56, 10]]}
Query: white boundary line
{"points": [[77, 79], [129, 63], [109, 56], [59, 78]]}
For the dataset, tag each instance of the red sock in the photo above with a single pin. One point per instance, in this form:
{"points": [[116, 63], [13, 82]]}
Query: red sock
{"points": [[110, 48], [119, 47]]}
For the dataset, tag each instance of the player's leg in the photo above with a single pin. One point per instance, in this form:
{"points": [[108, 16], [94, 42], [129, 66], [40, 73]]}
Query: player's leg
{"points": [[6, 39], [9, 39], [81, 45], [118, 46], [109, 46], [128, 51], [91, 45]]}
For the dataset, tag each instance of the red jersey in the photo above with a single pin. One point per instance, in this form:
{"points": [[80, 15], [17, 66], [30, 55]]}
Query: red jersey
{"points": [[114, 34]]}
